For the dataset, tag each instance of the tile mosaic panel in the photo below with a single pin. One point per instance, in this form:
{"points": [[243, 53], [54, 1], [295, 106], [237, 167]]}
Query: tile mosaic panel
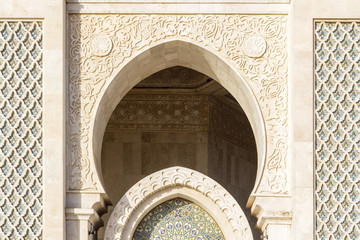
{"points": [[337, 126], [178, 219], [21, 130]]}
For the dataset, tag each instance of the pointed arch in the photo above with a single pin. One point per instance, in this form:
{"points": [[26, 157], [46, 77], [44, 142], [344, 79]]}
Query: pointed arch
{"points": [[178, 53], [177, 182]]}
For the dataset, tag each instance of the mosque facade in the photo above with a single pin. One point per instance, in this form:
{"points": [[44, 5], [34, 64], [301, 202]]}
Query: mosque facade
{"points": [[173, 119]]}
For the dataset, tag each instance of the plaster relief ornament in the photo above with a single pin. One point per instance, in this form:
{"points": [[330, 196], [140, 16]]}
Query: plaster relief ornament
{"points": [[101, 45], [109, 42], [254, 46]]}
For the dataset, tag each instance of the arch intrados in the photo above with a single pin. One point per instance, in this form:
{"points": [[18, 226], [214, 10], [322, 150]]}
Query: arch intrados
{"points": [[169, 54], [177, 182]]}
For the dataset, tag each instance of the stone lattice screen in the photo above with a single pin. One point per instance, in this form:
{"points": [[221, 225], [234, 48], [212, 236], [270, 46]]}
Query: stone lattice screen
{"points": [[21, 130], [337, 126]]}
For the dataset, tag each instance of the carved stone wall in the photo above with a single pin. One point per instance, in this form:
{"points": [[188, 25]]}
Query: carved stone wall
{"points": [[100, 45], [21, 137]]}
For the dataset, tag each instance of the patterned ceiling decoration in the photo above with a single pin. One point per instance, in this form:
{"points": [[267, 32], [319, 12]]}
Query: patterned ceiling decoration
{"points": [[174, 77], [21, 130], [178, 219], [337, 124]]}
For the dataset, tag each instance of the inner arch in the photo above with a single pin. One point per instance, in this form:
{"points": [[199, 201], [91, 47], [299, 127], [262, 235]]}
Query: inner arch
{"points": [[177, 182]]}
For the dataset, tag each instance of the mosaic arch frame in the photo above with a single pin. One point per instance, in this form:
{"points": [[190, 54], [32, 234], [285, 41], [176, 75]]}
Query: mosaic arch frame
{"points": [[171, 183], [247, 54]]}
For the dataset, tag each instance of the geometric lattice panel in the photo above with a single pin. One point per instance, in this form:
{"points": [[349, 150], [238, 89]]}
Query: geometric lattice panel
{"points": [[178, 219], [337, 123], [21, 130]]}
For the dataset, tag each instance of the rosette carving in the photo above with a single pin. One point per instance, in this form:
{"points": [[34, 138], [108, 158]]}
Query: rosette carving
{"points": [[101, 45], [254, 46], [266, 73]]}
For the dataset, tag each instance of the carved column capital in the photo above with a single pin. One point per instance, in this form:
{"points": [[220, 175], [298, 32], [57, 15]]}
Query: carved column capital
{"points": [[83, 214], [272, 211]]}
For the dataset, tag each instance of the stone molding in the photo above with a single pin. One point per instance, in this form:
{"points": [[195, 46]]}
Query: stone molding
{"points": [[171, 178], [272, 211], [224, 35], [180, 7]]}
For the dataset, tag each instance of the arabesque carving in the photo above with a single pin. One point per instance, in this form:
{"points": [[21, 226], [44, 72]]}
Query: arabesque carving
{"points": [[177, 177], [224, 34]]}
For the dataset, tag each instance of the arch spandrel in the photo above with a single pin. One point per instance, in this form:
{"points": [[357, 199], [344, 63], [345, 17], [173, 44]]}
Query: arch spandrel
{"points": [[171, 183], [94, 68]]}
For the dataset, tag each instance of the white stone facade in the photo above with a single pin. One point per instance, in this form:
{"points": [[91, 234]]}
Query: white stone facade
{"points": [[88, 54]]}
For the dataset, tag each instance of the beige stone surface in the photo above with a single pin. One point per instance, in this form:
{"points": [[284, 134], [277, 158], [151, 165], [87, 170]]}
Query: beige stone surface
{"points": [[298, 15], [52, 13], [168, 54], [301, 91]]}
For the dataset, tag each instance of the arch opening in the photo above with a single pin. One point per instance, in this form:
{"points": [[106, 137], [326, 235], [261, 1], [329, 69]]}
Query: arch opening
{"points": [[179, 117], [168, 55], [178, 53]]}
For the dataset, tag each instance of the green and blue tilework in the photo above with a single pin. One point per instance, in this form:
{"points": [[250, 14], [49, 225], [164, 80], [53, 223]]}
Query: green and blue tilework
{"points": [[178, 219], [21, 130], [337, 127]]}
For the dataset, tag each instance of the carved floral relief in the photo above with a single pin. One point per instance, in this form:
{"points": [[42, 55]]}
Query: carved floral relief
{"points": [[100, 45]]}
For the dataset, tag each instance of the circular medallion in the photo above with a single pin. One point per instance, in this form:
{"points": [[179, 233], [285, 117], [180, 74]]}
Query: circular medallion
{"points": [[101, 45], [254, 46]]}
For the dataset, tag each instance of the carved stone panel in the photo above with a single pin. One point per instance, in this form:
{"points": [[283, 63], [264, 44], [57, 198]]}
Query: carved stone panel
{"points": [[264, 67]]}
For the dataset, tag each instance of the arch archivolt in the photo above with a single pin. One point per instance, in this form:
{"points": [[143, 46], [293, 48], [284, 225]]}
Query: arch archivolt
{"points": [[101, 45], [171, 183]]}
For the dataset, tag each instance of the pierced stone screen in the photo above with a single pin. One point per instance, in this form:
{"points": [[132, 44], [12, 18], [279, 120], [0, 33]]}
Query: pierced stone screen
{"points": [[337, 126], [21, 130]]}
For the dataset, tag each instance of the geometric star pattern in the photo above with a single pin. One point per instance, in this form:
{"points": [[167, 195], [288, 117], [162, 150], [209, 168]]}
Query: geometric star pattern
{"points": [[178, 219], [337, 127], [21, 130]]}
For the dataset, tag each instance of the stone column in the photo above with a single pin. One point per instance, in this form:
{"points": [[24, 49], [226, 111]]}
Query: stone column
{"points": [[83, 214], [274, 216]]}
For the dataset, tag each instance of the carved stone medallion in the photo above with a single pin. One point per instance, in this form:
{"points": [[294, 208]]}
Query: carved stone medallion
{"points": [[101, 45], [254, 46]]}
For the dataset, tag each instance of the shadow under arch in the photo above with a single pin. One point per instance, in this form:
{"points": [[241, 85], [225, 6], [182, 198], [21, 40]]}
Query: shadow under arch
{"points": [[178, 53], [174, 182]]}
